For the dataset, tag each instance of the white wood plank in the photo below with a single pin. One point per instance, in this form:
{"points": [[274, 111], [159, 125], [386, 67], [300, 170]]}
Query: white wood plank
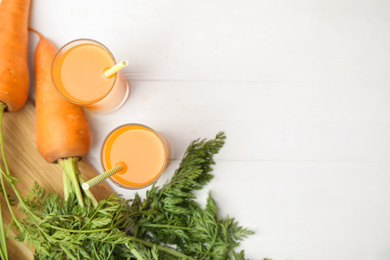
{"points": [[231, 40], [317, 121]]}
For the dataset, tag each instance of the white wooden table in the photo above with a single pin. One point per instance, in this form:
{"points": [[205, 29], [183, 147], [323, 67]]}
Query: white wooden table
{"points": [[301, 88]]}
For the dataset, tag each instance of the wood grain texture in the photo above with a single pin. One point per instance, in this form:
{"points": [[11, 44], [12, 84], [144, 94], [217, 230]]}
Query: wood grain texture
{"points": [[27, 164]]}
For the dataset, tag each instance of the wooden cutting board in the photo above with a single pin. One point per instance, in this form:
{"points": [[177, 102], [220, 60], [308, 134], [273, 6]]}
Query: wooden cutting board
{"points": [[27, 164]]}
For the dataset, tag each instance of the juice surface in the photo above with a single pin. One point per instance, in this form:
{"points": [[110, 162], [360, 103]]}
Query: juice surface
{"points": [[78, 73], [141, 150]]}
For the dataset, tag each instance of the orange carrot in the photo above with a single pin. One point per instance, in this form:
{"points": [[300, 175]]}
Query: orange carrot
{"points": [[14, 75], [61, 128]]}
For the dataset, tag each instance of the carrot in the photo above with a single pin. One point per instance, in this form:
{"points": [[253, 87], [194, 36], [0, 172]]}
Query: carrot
{"points": [[61, 128], [14, 74]]}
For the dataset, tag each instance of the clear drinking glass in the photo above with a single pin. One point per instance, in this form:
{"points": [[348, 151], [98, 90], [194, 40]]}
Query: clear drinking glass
{"points": [[144, 152], [77, 73]]}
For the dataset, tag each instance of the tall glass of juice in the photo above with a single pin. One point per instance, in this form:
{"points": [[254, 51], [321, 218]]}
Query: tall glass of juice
{"points": [[78, 75], [144, 152]]}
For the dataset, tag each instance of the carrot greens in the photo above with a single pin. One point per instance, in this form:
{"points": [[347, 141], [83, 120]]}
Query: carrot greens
{"points": [[167, 224]]}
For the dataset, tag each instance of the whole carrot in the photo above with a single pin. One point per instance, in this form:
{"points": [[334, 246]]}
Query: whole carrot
{"points": [[14, 75], [61, 128]]}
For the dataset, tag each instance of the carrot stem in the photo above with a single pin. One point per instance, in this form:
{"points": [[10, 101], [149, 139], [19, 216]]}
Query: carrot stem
{"points": [[69, 167], [4, 250], [88, 193], [72, 180], [67, 185], [3, 239], [8, 176]]}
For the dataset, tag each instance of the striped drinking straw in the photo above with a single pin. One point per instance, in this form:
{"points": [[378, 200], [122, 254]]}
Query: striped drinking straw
{"points": [[102, 177]]}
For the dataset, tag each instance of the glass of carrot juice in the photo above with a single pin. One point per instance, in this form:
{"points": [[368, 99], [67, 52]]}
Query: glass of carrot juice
{"points": [[143, 151], [77, 73]]}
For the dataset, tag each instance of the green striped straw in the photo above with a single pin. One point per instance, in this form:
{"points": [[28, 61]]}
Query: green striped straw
{"points": [[102, 177]]}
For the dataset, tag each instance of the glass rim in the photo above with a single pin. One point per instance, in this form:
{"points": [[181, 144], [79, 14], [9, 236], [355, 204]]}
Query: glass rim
{"points": [[165, 146], [73, 42]]}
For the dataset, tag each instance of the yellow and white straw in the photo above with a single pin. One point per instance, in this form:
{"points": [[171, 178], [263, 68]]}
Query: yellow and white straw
{"points": [[114, 69], [102, 177]]}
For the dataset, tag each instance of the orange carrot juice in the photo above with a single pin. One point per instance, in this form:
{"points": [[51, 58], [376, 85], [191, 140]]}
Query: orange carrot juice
{"points": [[77, 73], [143, 151]]}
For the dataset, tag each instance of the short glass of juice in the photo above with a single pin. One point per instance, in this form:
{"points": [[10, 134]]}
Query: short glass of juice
{"points": [[143, 151], [78, 75]]}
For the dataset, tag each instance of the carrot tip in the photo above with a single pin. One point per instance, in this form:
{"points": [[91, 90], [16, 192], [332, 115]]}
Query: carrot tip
{"points": [[33, 30]]}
